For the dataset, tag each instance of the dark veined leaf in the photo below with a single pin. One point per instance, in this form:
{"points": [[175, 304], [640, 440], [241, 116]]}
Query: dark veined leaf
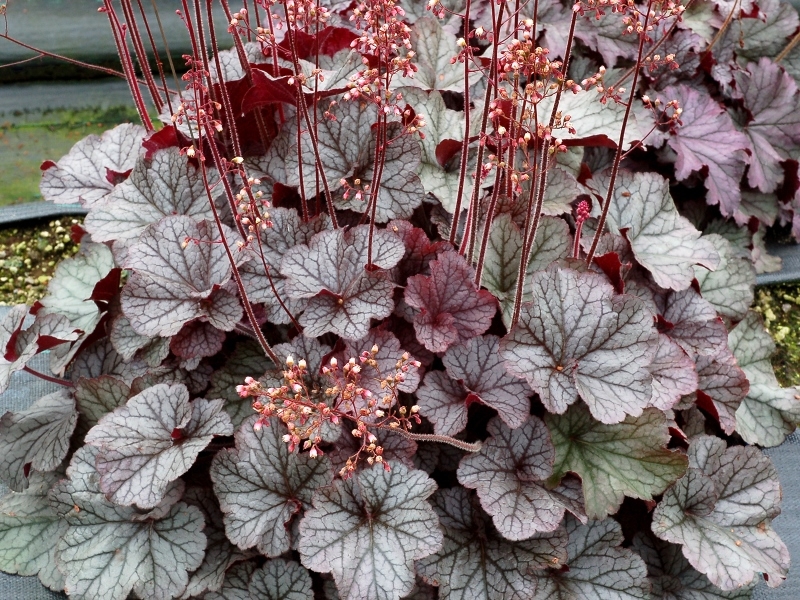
{"points": [[673, 373], [673, 577], [579, 338], [70, 291], [18, 346], [475, 562], [358, 527], [287, 231], [88, 173], [197, 339], [29, 532], [708, 138], [720, 512], [475, 373], [772, 123], [721, 385], [663, 241], [509, 475], [36, 438], [420, 251], [179, 266], [613, 461], [152, 440], [692, 322], [220, 553], [247, 360], [96, 397], [452, 310], [729, 288], [281, 579], [109, 551], [153, 350], [768, 413], [165, 184], [330, 272], [237, 583], [553, 241], [262, 486], [599, 568]]}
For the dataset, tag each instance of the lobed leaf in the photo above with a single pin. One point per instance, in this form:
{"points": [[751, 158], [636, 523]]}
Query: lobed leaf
{"points": [[722, 386], [673, 373], [281, 579], [729, 288]]}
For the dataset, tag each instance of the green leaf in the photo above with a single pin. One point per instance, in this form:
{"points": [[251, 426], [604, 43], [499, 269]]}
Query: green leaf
{"points": [[628, 458]]}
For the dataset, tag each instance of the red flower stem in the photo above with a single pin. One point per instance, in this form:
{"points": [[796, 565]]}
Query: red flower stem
{"points": [[487, 226], [141, 55], [156, 56], [49, 378], [601, 224], [462, 177]]}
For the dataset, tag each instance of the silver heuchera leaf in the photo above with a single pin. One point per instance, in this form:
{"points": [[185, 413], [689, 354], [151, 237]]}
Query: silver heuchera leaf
{"points": [[176, 279], [663, 241], [730, 288], [509, 475], [578, 338], [330, 272], [29, 532], [673, 577], [261, 486], [599, 568], [236, 584], [452, 310], [247, 360], [477, 374], [88, 172], [475, 563], [281, 579], [553, 241], [96, 397], [152, 440], [358, 527], [768, 412], [287, 231], [613, 461], [220, 553], [109, 551], [721, 385], [69, 291], [693, 322], [673, 373], [167, 184], [36, 438], [720, 512]]}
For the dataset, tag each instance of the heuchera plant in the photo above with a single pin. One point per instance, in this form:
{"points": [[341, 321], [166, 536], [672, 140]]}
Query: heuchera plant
{"points": [[413, 300]]}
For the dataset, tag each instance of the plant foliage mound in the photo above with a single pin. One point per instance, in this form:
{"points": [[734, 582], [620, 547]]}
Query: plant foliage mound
{"points": [[418, 300]]}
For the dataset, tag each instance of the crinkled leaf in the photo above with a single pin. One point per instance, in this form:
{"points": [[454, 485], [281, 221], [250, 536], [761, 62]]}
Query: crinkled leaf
{"points": [[152, 440], [768, 413], [578, 338], [342, 295], [127, 342], [220, 553], [720, 512], [771, 98], [281, 579], [110, 550], [613, 461], [509, 475], [552, 242], [247, 360], [722, 386], [605, 34], [673, 373], [88, 172], [452, 310], [360, 526], [29, 532], [197, 339], [693, 323], [70, 291], [96, 397], [261, 486], [36, 438], [673, 577], [237, 583], [166, 184], [708, 138], [434, 47], [663, 241], [287, 231], [729, 288], [174, 281], [475, 373], [599, 568], [475, 562]]}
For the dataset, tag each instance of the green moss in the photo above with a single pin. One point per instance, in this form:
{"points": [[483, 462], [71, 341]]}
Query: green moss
{"points": [[28, 258], [780, 307]]}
